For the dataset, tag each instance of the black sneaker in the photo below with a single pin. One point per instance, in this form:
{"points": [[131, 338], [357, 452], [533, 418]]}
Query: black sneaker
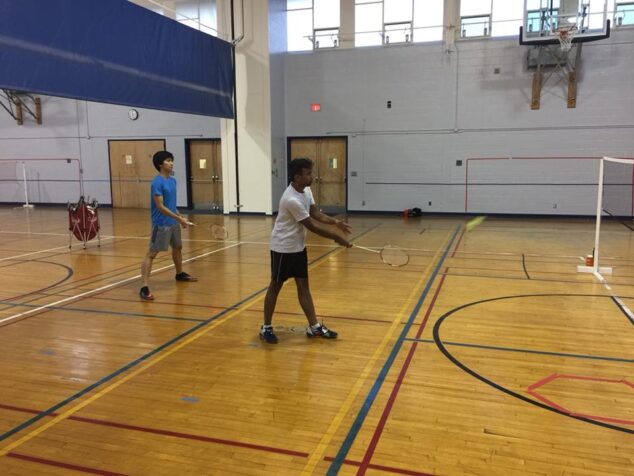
{"points": [[321, 331], [266, 334], [146, 294], [183, 276]]}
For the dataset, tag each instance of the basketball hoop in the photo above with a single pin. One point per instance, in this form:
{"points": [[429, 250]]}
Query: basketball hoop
{"points": [[565, 35]]}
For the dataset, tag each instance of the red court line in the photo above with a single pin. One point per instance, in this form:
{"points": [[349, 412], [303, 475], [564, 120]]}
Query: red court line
{"points": [[548, 402], [531, 390], [382, 468], [59, 464], [456, 248], [156, 431], [199, 438], [543, 381], [365, 463], [602, 418], [595, 379], [189, 436]]}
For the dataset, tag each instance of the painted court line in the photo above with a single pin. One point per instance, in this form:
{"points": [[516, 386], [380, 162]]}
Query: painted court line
{"points": [[36, 252], [363, 412], [207, 439], [188, 436], [617, 300], [213, 322], [380, 467], [191, 335], [526, 351], [60, 464], [24, 314], [111, 313], [378, 431]]}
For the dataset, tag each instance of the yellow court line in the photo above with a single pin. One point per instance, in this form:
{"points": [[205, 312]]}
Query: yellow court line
{"points": [[129, 376], [139, 370], [318, 454]]}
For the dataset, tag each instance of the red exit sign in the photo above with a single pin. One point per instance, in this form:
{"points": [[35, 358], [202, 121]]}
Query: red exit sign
{"points": [[314, 107]]}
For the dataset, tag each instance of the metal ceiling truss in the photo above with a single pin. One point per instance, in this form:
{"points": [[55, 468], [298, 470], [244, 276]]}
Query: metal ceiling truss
{"points": [[16, 102]]}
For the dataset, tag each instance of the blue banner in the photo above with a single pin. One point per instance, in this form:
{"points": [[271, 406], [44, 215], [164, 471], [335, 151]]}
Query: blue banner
{"points": [[114, 52]]}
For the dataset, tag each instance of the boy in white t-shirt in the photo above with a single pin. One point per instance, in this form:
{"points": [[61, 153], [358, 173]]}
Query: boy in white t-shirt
{"points": [[297, 212]]}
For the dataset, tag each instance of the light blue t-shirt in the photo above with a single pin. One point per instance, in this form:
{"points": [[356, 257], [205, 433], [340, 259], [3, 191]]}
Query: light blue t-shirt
{"points": [[165, 187]]}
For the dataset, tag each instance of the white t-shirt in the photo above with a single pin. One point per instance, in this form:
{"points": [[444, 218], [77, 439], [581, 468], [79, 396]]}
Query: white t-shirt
{"points": [[288, 234]]}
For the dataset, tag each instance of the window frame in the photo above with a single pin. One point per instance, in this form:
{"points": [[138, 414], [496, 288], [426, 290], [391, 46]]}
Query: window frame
{"points": [[629, 9]]}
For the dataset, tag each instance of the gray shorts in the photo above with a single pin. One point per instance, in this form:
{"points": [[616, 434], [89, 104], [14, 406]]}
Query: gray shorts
{"points": [[165, 236]]}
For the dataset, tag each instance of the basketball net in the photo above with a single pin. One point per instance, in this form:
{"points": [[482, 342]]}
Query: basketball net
{"points": [[565, 35]]}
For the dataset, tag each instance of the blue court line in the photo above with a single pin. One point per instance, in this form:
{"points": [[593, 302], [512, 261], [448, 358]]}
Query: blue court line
{"points": [[337, 462], [103, 311], [126, 367], [144, 357], [526, 351]]}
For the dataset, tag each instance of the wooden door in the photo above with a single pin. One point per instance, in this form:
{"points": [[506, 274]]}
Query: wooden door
{"points": [[330, 157], [332, 174], [307, 149], [132, 171], [205, 179]]}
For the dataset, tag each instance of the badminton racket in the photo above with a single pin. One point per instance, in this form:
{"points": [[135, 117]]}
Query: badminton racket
{"points": [[390, 255], [219, 232]]}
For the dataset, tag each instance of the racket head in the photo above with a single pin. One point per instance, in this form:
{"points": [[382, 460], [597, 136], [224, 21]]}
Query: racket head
{"points": [[219, 232], [471, 224], [394, 256]]}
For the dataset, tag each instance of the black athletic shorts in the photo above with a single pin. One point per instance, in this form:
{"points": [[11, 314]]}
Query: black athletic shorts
{"points": [[288, 265]]}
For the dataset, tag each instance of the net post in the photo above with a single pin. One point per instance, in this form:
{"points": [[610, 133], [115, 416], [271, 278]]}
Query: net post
{"points": [[597, 231], [26, 188]]}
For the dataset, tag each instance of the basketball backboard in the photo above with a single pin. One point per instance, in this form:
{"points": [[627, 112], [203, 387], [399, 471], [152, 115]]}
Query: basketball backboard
{"points": [[584, 20]]}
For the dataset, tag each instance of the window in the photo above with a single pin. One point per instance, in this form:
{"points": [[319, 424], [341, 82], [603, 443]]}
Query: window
{"points": [[541, 16], [507, 17], [312, 24], [475, 18], [200, 15], [624, 14], [428, 20], [326, 14], [299, 18], [397, 21], [480, 18], [476, 25], [368, 18], [197, 14]]}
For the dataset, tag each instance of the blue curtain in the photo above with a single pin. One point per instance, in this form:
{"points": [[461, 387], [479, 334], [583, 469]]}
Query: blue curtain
{"points": [[115, 52]]}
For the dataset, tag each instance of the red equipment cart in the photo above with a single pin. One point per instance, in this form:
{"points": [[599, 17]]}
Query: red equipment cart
{"points": [[83, 221]]}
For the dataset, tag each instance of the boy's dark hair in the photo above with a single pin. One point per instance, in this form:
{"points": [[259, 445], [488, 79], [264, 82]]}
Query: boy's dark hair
{"points": [[297, 165], [160, 157]]}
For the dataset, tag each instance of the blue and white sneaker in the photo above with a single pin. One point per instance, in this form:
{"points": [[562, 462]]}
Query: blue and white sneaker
{"points": [[267, 335], [321, 331]]}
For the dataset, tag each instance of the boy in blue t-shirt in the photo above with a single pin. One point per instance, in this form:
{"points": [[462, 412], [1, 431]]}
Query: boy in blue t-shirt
{"points": [[166, 222]]}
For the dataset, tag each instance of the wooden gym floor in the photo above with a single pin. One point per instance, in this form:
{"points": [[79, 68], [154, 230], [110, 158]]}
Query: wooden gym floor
{"points": [[487, 354]]}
